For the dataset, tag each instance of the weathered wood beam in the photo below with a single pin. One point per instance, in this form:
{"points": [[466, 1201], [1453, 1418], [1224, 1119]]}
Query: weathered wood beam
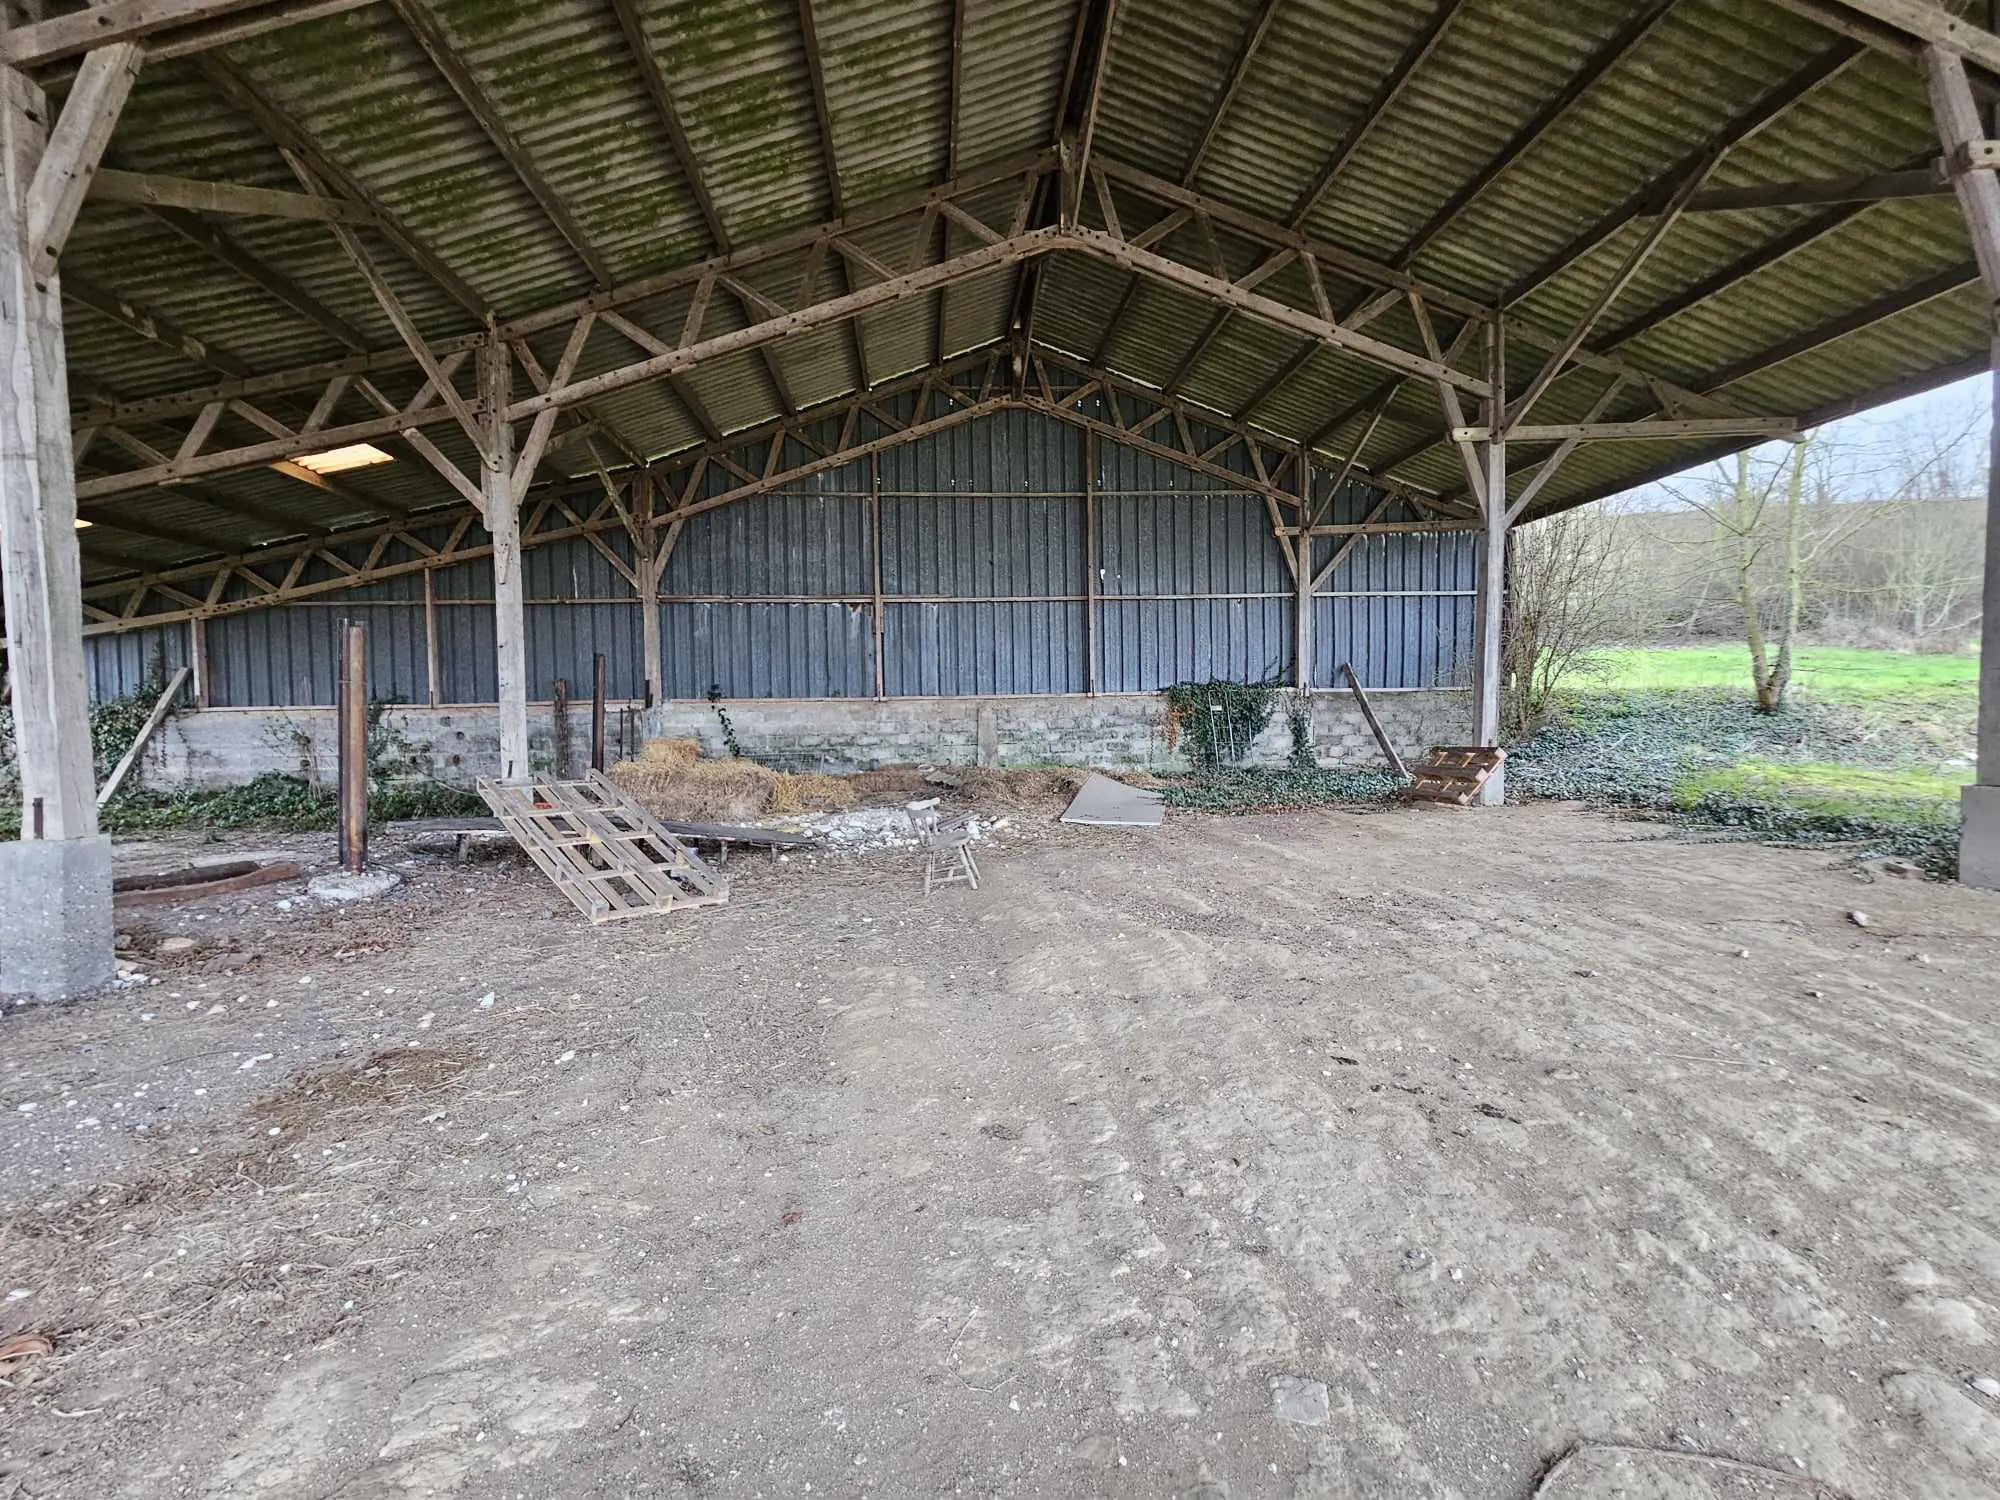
{"points": [[1378, 106], [1078, 169], [219, 247], [1751, 263], [956, 100], [151, 190], [1640, 430], [1927, 22], [1922, 182], [236, 90], [822, 116], [107, 23], [153, 327], [1239, 74], [1896, 303], [1651, 198], [75, 147]]}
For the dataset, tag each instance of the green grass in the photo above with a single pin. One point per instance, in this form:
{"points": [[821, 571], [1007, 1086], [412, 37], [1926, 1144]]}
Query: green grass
{"points": [[1823, 789], [1828, 674]]}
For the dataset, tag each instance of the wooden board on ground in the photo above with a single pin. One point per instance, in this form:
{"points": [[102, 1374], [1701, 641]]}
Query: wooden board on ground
{"points": [[1454, 774], [198, 881], [1104, 803], [609, 856]]}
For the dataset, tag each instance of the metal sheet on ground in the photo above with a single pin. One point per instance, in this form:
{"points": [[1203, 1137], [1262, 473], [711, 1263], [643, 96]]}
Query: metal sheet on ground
{"points": [[1104, 803]]}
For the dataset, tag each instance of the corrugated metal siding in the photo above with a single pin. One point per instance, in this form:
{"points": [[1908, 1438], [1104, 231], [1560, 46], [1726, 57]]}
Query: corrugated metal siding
{"points": [[119, 664], [983, 557]]}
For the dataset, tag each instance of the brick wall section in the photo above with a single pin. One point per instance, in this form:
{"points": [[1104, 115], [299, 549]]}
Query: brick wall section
{"points": [[856, 734], [221, 747]]}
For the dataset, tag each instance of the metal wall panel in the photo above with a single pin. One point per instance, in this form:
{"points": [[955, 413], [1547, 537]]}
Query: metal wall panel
{"points": [[983, 572], [1188, 544], [787, 544], [115, 665], [564, 639], [289, 656], [949, 650], [1007, 453], [1146, 645], [767, 650], [982, 549]]}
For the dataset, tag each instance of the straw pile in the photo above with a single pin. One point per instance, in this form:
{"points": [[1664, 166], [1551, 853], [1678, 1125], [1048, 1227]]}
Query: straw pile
{"points": [[671, 779]]}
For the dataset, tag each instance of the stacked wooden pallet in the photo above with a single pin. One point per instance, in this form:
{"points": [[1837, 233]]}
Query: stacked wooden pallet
{"points": [[608, 855], [1454, 774]]}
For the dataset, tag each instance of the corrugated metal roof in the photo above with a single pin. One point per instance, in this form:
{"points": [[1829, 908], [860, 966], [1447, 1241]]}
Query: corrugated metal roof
{"points": [[152, 309]]}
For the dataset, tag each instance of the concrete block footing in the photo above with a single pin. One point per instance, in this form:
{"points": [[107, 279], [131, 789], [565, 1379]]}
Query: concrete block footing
{"points": [[1979, 837], [55, 918]]}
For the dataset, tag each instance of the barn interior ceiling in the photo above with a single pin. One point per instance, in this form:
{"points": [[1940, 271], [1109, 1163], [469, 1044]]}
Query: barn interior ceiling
{"points": [[1315, 227]]}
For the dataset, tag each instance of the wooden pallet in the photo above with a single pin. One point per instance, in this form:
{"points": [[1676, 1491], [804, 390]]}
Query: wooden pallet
{"points": [[1453, 775], [608, 855]]}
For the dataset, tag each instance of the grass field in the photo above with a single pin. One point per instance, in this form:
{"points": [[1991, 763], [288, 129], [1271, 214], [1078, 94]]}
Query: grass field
{"points": [[1829, 674], [1873, 750]]}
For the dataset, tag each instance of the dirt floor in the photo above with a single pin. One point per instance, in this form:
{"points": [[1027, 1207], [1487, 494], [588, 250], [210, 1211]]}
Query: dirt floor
{"points": [[1510, 1129]]}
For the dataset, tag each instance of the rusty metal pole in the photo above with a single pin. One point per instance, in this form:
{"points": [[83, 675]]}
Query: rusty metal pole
{"points": [[353, 732], [597, 712]]}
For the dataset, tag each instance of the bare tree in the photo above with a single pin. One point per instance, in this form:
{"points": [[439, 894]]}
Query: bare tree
{"points": [[1562, 604]]}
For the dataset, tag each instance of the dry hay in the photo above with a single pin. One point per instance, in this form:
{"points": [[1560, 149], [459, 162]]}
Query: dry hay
{"points": [[992, 787], [671, 779]]}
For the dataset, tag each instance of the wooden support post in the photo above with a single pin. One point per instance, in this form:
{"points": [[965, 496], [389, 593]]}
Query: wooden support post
{"points": [[39, 565], [1302, 582], [198, 660], [352, 715], [55, 881], [503, 522], [433, 673], [875, 547], [1374, 724], [559, 724], [1090, 563], [645, 548], [1492, 458], [1978, 188], [597, 712]]}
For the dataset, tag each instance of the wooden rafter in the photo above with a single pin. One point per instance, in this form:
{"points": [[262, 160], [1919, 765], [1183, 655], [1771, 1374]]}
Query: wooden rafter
{"points": [[1239, 74], [1524, 140], [237, 90], [1378, 106], [1652, 198], [225, 251], [472, 94]]}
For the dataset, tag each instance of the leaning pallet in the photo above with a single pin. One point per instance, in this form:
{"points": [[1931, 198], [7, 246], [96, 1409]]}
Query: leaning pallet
{"points": [[1453, 775], [609, 856]]}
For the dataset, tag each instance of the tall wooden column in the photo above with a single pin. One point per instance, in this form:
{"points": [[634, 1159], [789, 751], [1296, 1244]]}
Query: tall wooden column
{"points": [[55, 882], [646, 563], [1492, 569], [1963, 136], [503, 522]]}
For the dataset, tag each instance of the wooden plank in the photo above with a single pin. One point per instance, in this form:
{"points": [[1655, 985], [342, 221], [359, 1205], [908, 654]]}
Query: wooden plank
{"points": [[153, 721], [75, 145], [107, 22], [1374, 724]]}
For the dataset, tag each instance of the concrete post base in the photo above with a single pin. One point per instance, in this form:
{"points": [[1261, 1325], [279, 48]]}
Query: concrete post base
{"points": [[1979, 837], [1493, 791], [55, 918]]}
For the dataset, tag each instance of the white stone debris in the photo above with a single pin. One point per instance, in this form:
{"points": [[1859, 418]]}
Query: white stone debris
{"points": [[1296, 1399]]}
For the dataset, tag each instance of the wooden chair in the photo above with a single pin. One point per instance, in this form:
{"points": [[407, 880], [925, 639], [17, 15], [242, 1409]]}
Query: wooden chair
{"points": [[947, 846]]}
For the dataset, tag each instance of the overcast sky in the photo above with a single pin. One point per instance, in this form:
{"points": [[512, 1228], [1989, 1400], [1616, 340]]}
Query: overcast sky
{"points": [[1873, 453]]}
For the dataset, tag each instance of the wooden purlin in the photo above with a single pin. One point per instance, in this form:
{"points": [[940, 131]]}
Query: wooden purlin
{"points": [[611, 857]]}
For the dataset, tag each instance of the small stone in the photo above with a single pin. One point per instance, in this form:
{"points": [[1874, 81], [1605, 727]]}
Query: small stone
{"points": [[1742, 952], [1416, 1260], [1296, 1399], [1858, 918], [1986, 1385], [177, 944], [1901, 868], [370, 885]]}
